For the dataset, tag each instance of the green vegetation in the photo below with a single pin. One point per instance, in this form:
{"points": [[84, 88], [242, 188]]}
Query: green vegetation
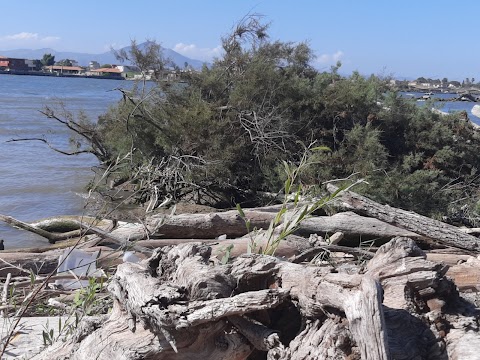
{"points": [[48, 60], [221, 135], [64, 62]]}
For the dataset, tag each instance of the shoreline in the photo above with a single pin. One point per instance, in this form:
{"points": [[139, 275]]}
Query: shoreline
{"points": [[39, 73]]}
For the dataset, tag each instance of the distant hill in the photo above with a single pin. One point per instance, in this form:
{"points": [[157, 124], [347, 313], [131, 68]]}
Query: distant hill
{"points": [[103, 58]]}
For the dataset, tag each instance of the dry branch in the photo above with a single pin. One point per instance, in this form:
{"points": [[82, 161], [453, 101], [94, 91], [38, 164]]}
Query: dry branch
{"points": [[435, 230]]}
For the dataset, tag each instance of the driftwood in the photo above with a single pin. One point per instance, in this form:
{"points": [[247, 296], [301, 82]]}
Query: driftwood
{"points": [[183, 303], [178, 305], [212, 225], [435, 230], [51, 229], [209, 226]]}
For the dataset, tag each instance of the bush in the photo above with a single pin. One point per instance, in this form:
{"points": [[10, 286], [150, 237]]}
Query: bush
{"points": [[220, 135]]}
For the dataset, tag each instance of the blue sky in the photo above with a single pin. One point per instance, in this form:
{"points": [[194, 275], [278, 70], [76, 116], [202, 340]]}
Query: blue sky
{"points": [[431, 38]]}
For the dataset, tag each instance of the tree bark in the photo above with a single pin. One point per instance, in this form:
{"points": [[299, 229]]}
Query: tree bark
{"points": [[435, 230], [177, 305], [210, 226]]}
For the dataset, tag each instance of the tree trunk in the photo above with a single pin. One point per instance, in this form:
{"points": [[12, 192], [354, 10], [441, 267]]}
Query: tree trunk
{"points": [[435, 230], [210, 226], [177, 305]]}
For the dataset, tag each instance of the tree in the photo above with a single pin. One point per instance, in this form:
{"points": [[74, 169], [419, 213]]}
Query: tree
{"points": [[106, 66], [64, 62], [220, 135], [48, 60], [38, 64]]}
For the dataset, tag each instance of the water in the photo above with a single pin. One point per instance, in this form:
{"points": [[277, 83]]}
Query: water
{"points": [[35, 181], [448, 106]]}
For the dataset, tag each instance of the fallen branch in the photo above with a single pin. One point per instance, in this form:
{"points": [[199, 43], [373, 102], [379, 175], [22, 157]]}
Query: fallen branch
{"points": [[435, 230]]}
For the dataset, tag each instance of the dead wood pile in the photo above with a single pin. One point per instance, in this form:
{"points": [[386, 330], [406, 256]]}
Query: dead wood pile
{"points": [[324, 295]]}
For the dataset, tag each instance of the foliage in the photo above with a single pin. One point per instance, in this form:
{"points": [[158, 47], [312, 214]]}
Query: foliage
{"points": [[288, 218], [64, 62], [48, 60], [218, 135], [87, 300]]}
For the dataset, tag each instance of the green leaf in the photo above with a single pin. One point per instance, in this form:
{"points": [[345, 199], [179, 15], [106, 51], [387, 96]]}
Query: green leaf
{"points": [[240, 211], [288, 184], [32, 278], [321, 148], [226, 256]]}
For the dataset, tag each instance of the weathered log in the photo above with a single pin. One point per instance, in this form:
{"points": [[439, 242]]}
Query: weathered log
{"points": [[212, 225], [435, 230], [59, 228], [466, 275], [291, 246], [353, 225], [25, 226], [206, 226], [189, 309]]}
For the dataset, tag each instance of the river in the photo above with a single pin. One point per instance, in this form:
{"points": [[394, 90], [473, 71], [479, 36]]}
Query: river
{"points": [[36, 182]]}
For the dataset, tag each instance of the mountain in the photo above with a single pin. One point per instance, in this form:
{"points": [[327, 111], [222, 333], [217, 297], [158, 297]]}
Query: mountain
{"points": [[103, 58]]}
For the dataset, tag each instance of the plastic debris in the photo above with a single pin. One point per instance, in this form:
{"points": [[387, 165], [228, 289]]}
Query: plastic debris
{"points": [[81, 264], [129, 256]]}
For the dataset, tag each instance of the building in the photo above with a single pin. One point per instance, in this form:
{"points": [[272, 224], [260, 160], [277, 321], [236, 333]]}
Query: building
{"points": [[110, 72], [13, 64], [127, 68], [67, 70]]}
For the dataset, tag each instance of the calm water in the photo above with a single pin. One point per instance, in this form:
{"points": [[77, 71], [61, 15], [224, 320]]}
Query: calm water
{"points": [[36, 182], [448, 106]]}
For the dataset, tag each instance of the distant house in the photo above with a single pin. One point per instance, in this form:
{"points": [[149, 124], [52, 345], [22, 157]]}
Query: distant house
{"points": [[126, 68], [111, 72], [93, 65], [68, 70], [13, 64]]}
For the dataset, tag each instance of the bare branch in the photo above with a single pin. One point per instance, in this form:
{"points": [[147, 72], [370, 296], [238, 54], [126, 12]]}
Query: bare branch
{"points": [[54, 148]]}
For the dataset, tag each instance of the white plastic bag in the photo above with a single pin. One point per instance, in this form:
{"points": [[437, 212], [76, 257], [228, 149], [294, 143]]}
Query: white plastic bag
{"points": [[81, 264]]}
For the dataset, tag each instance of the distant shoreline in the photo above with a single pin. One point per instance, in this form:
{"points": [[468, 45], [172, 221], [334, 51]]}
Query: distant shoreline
{"points": [[40, 73]]}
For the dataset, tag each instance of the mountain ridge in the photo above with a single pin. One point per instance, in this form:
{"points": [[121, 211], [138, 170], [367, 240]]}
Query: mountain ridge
{"points": [[107, 57]]}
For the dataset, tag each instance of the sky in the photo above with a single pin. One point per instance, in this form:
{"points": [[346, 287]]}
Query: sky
{"points": [[404, 39]]}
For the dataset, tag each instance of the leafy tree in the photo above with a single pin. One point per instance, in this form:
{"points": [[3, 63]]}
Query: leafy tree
{"points": [[38, 64], [64, 62], [106, 66], [219, 136], [48, 60]]}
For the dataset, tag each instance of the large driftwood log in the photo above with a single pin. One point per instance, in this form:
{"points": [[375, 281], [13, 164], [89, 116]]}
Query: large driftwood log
{"points": [[212, 225], [208, 226], [435, 230], [177, 305]]}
